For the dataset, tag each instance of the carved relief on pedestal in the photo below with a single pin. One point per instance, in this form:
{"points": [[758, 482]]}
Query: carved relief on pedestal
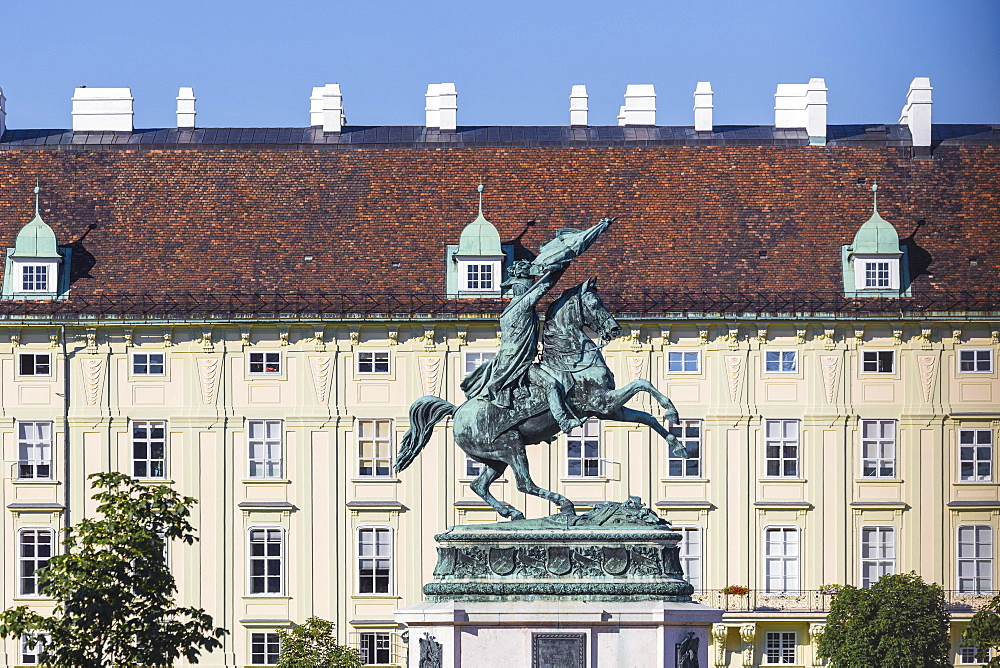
{"points": [[168, 337], [733, 336], [636, 366], [762, 334], [747, 634], [93, 374], [719, 633], [393, 337], [206, 339], [320, 368], [355, 335], [859, 333], [830, 365], [956, 333], [815, 631], [318, 342], [428, 338], [734, 373], [91, 340], [430, 371], [702, 334], [927, 364], [208, 375], [129, 334], [283, 335], [897, 335], [54, 338], [800, 333], [829, 335], [634, 338]]}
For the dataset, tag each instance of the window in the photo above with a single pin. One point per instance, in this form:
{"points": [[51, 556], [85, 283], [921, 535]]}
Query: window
{"points": [[475, 359], [688, 361], [781, 361], [479, 277], [373, 362], [975, 559], [35, 278], [267, 560], [878, 448], [975, 361], [878, 361], [31, 649], [583, 449], [264, 649], [374, 560], [374, 448], [781, 560], [877, 274], [878, 554], [779, 647], [472, 467], [688, 432], [690, 554], [34, 450], [149, 448], [34, 364], [374, 648], [264, 442], [34, 553], [967, 656], [975, 455], [147, 364], [781, 448], [265, 363]]}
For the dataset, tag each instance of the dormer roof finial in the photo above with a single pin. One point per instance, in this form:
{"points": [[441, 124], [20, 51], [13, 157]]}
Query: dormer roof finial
{"points": [[875, 196], [480, 190], [37, 190]]}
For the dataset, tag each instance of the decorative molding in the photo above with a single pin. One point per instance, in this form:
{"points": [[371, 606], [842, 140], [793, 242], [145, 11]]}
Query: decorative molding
{"points": [[664, 335], [430, 368], [320, 368], [897, 335], [15, 336], [635, 367], [956, 333], [355, 335], [91, 340], [206, 339], [995, 336], [702, 334], [319, 344], [93, 373], [748, 632], [762, 333], [830, 364], [393, 336], [428, 339], [927, 366], [815, 631], [733, 336], [129, 332], [800, 333], [719, 633], [245, 335], [499, 337], [925, 334], [208, 374], [283, 334], [829, 335], [54, 338], [168, 337], [859, 333], [634, 338], [734, 372]]}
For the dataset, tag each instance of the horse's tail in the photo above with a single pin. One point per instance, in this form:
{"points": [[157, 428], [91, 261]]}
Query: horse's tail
{"points": [[424, 414]]}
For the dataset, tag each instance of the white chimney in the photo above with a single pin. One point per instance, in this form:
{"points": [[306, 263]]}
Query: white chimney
{"points": [[316, 107], [916, 114], [703, 107], [640, 105], [448, 104], [102, 110], [578, 105], [3, 112], [621, 115], [185, 108], [432, 106], [802, 106], [333, 108]]}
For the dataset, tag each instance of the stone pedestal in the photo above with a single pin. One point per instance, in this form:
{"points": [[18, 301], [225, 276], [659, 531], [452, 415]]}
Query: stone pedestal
{"points": [[600, 589]]}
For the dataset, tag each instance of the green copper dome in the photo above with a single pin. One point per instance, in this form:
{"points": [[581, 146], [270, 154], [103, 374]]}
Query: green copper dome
{"points": [[479, 238], [877, 236], [36, 239]]}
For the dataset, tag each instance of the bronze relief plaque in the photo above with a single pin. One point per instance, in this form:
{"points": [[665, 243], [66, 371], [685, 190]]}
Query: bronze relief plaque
{"points": [[558, 650]]}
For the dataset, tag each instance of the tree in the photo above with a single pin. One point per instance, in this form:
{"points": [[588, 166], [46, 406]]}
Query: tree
{"points": [[983, 633], [314, 644], [901, 621], [113, 590]]}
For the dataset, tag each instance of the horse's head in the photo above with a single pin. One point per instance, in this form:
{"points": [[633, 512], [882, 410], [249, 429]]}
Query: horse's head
{"points": [[595, 314]]}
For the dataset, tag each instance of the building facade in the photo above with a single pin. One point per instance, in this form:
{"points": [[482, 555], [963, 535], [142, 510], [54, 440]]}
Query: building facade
{"points": [[249, 319]]}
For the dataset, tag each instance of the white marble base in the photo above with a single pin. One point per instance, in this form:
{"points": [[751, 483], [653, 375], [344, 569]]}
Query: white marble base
{"points": [[640, 634]]}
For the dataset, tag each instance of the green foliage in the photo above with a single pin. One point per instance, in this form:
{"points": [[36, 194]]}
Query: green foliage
{"points": [[983, 632], [113, 591], [314, 644], [900, 622]]}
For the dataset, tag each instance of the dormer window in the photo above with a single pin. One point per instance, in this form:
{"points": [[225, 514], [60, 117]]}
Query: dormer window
{"points": [[476, 264], [36, 267], [34, 278], [876, 273], [875, 264], [479, 275]]}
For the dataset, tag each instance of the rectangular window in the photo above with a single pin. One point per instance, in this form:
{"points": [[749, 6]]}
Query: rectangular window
{"points": [[878, 448], [975, 559], [781, 448], [975, 361], [877, 275], [373, 362], [878, 554], [878, 361], [264, 444], [374, 648], [264, 649], [781, 560], [479, 277], [583, 449], [374, 448], [967, 657], [688, 432], [31, 649], [34, 450], [781, 361], [472, 467], [690, 554], [475, 359], [688, 361], [374, 560], [267, 561], [34, 552], [149, 449], [35, 278], [34, 364], [265, 363], [779, 647], [975, 455], [147, 364]]}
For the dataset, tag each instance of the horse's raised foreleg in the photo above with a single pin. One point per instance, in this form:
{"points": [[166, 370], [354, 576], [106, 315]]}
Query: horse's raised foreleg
{"points": [[623, 414], [612, 400], [518, 460], [493, 469]]}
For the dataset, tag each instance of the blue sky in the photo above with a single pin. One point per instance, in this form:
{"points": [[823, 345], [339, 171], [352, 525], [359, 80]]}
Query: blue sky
{"points": [[253, 63]]}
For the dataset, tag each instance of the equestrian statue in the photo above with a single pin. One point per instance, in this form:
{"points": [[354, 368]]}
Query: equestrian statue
{"points": [[513, 401]]}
